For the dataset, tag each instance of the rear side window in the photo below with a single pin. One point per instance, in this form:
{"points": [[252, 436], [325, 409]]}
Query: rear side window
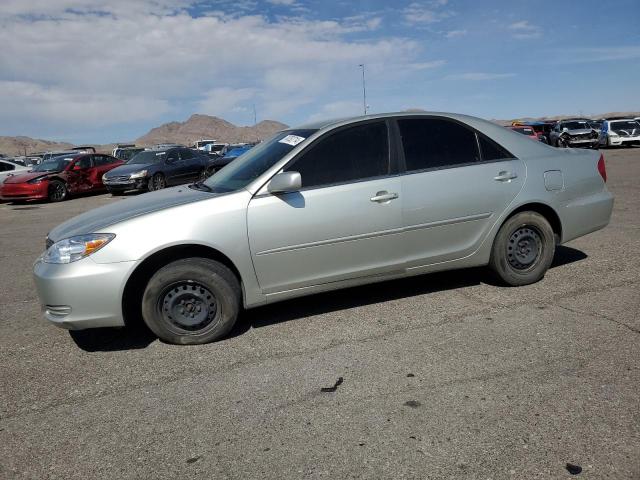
{"points": [[491, 150], [6, 167], [352, 154], [437, 143]]}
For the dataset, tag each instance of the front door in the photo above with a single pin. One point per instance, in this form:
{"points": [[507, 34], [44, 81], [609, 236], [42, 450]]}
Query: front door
{"points": [[457, 183], [79, 173], [344, 223]]}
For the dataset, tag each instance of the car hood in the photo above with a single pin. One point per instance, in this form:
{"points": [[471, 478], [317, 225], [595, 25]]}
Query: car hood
{"points": [[25, 177], [128, 169], [99, 219]]}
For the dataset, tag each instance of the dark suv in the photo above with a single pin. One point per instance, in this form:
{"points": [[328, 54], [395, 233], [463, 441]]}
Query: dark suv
{"points": [[156, 169]]}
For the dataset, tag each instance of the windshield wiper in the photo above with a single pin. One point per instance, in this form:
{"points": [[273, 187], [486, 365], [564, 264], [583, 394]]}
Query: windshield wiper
{"points": [[201, 186]]}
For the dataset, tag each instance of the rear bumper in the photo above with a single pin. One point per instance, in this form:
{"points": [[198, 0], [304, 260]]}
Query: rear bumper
{"points": [[586, 214], [82, 294], [24, 191]]}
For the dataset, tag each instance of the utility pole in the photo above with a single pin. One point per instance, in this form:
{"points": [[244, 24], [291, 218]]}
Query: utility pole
{"points": [[364, 90], [255, 117]]}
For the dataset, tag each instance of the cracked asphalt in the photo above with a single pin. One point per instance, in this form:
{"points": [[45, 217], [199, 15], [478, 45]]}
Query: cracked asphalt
{"points": [[444, 375]]}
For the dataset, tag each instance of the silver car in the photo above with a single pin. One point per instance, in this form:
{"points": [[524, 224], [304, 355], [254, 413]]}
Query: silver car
{"points": [[321, 207]]}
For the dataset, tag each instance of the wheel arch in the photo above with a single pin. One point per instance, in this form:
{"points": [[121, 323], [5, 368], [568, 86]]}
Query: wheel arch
{"points": [[543, 209], [137, 281]]}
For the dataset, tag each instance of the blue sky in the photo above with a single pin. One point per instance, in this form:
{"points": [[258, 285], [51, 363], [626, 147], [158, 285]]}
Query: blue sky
{"points": [[109, 70]]}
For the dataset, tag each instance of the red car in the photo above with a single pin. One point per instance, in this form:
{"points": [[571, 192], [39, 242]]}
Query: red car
{"points": [[525, 130], [58, 177]]}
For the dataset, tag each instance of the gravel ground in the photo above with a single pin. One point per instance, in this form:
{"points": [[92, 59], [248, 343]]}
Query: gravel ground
{"points": [[445, 375]]}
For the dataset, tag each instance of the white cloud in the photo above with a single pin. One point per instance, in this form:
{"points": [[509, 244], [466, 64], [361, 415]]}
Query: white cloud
{"points": [[426, 65], [152, 58], [456, 33], [524, 30], [26, 100], [338, 109], [479, 76], [599, 54], [426, 12]]}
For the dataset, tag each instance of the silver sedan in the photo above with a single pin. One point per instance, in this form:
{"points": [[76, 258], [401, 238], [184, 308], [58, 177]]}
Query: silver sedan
{"points": [[321, 207]]}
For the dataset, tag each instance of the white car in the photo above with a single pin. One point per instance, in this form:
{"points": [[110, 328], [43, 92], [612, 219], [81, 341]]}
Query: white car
{"points": [[619, 132], [8, 168]]}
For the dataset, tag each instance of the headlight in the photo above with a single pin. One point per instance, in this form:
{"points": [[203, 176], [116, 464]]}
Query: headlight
{"points": [[74, 248], [613, 134], [140, 174], [36, 180]]}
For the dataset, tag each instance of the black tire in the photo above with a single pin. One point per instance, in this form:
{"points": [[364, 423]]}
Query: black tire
{"points": [[57, 191], [192, 301], [562, 142], [523, 249], [156, 182]]}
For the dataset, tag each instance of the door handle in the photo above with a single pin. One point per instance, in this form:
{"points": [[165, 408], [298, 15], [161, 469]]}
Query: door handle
{"points": [[384, 197], [505, 176]]}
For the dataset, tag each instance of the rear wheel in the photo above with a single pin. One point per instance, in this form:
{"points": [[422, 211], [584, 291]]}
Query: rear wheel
{"points": [[57, 191], [523, 249], [191, 301], [156, 182]]}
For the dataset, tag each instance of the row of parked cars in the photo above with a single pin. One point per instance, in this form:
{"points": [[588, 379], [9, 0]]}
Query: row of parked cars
{"points": [[60, 174], [580, 132]]}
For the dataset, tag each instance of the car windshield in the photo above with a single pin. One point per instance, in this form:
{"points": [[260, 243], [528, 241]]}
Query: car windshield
{"points": [[217, 148], [626, 125], [147, 157], [255, 162], [56, 164], [575, 125], [236, 152]]}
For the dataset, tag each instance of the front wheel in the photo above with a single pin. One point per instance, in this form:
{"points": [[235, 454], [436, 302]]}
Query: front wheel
{"points": [[156, 182], [192, 301], [523, 249], [57, 191]]}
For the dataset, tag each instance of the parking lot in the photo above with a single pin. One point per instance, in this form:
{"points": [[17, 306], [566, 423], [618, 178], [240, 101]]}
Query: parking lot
{"points": [[445, 375]]}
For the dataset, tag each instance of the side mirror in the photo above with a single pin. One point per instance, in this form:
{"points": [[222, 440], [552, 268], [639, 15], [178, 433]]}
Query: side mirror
{"points": [[77, 167], [285, 182]]}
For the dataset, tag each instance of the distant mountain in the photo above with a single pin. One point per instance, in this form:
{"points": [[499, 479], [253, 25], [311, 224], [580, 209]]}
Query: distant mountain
{"points": [[206, 127], [14, 146]]}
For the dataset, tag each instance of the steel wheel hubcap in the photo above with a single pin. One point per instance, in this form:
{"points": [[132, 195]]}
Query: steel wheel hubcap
{"points": [[524, 248], [188, 305]]}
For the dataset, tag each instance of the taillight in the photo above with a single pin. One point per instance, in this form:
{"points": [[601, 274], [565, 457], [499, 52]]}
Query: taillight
{"points": [[601, 168]]}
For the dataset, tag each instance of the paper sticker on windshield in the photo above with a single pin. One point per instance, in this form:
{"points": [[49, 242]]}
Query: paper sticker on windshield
{"points": [[292, 140]]}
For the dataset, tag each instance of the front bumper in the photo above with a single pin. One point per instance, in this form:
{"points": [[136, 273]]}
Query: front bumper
{"points": [[616, 141], [583, 142], [123, 186], [82, 294], [24, 191]]}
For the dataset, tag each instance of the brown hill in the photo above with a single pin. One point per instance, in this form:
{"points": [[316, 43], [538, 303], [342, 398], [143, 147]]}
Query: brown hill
{"points": [[13, 146], [207, 127]]}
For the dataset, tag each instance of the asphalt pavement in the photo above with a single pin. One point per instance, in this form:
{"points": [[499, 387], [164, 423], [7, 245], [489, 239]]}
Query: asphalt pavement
{"points": [[443, 376]]}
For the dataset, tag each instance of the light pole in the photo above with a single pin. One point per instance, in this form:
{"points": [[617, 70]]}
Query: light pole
{"points": [[364, 90]]}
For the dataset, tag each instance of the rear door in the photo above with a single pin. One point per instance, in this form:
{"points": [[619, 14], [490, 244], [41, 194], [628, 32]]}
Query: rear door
{"points": [[344, 223], [457, 183]]}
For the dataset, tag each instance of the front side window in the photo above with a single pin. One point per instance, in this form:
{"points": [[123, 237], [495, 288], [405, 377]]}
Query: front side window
{"points": [[351, 154], [437, 143], [84, 162], [186, 154], [5, 167]]}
